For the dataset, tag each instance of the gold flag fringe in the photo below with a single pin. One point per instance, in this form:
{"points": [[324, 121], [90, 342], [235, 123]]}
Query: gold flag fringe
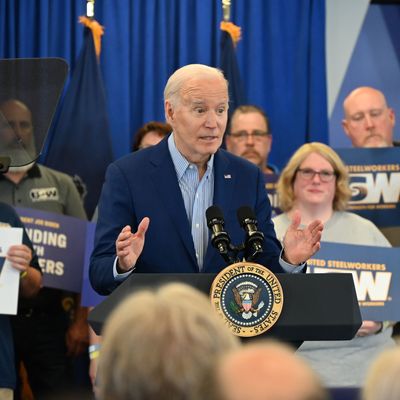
{"points": [[234, 30], [97, 32]]}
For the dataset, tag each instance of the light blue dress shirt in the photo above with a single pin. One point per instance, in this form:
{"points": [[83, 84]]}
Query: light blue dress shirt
{"points": [[197, 196]]}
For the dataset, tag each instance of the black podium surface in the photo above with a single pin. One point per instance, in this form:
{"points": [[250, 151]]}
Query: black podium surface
{"points": [[316, 306]]}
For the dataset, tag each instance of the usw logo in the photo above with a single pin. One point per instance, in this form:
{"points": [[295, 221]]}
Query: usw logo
{"points": [[370, 188]]}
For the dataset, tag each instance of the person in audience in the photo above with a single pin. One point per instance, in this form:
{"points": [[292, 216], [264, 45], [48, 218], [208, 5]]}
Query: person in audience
{"points": [[368, 121], [23, 258], [249, 136], [150, 134], [315, 182], [55, 339], [162, 193], [383, 381], [162, 344], [267, 370]]}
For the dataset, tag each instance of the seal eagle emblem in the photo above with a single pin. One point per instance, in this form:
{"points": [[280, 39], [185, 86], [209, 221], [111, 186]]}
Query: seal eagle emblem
{"points": [[248, 297]]}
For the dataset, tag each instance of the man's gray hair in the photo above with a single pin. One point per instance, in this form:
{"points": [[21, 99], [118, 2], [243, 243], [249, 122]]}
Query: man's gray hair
{"points": [[182, 75]]}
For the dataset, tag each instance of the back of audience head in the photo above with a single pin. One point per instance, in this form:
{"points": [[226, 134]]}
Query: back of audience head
{"points": [[267, 370], [162, 344], [383, 378], [249, 135], [368, 121], [150, 134]]}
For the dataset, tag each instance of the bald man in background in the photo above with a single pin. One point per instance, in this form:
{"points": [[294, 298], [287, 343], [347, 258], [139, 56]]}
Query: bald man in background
{"points": [[368, 121]]}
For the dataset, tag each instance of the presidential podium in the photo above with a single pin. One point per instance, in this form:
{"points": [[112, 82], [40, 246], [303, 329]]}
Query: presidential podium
{"points": [[316, 306]]}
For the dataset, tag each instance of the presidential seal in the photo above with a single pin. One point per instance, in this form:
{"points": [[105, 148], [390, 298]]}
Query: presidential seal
{"points": [[248, 297]]}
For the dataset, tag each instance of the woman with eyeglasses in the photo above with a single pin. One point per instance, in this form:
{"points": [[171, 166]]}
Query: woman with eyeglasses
{"points": [[315, 182]]}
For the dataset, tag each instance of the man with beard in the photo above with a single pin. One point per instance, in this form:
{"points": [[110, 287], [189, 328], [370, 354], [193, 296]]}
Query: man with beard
{"points": [[51, 333], [249, 136], [368, 122]]}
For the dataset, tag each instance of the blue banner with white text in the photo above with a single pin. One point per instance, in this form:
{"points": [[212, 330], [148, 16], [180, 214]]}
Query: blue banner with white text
{"points": [[60, 242], [375, 185], [376, 276]]}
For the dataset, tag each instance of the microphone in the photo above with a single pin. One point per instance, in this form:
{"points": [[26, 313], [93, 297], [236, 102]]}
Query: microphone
{"points": [[219, 238], [254, 238]]}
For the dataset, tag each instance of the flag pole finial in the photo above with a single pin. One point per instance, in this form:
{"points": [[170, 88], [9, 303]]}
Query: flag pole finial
{"points": [[90, 8], [226, 9], [89, 22]]}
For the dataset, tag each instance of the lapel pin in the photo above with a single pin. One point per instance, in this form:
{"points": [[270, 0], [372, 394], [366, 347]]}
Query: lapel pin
{"points": [[227, 176]]}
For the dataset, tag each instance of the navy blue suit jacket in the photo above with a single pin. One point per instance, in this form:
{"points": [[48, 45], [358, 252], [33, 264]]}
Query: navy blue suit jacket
{"points": [[144, 184]]}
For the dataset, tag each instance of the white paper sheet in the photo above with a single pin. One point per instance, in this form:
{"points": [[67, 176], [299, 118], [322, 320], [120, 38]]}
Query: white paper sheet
{"points": [[9, 276]]}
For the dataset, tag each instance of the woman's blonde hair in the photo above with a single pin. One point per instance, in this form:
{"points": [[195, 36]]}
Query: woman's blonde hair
{"points": [[288, 175]]}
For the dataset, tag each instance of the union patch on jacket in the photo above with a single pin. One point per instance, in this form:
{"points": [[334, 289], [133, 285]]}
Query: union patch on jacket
{"points": [[44, 194], [248, 297]]}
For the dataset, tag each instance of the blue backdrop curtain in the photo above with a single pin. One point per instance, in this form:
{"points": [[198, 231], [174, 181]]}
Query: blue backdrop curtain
{"points": [[281, 56], [228, 63]]}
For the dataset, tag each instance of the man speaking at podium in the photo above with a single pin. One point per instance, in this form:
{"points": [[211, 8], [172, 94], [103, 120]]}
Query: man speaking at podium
{"points": [[153, 202]]}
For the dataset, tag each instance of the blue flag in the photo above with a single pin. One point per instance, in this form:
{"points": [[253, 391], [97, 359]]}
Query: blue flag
{"points": [[80, 138], [230, 68]]}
